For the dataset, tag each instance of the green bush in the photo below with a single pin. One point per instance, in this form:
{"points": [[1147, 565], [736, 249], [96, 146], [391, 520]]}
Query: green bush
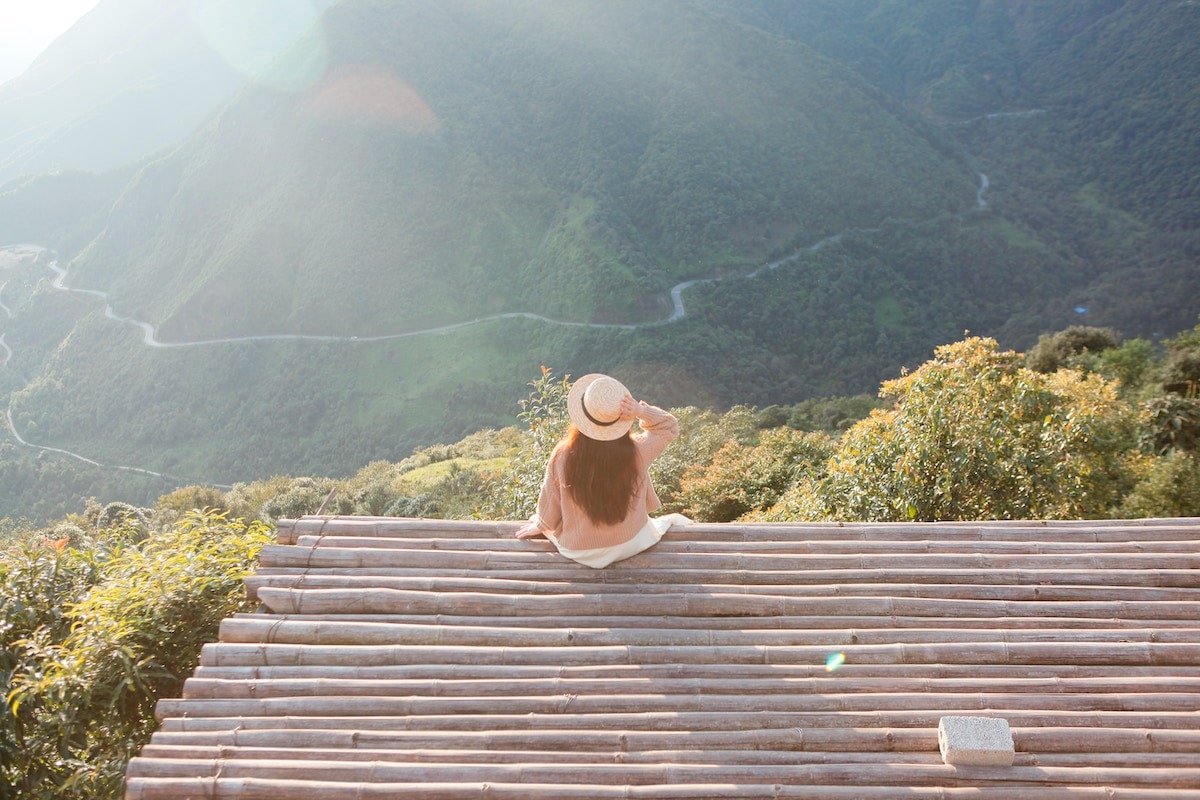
{"points": [[513, 494], [106, 640], [1170, 488], [1055, 350], [975, 435], [1172, 423], [741, 479]]}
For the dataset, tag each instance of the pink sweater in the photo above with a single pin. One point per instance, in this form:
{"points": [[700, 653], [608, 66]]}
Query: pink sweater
{"points": [[570, 526]]}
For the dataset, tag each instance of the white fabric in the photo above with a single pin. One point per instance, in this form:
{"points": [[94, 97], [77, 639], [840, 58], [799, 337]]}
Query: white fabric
{"points": [[648, 536]]}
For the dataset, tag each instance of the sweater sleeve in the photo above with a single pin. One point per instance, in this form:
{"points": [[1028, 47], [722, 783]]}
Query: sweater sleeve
{"points": [[659, 429], [549, 505]]}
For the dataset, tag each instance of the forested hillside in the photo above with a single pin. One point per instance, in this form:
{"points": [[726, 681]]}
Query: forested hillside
{"points": [[404, 166]]}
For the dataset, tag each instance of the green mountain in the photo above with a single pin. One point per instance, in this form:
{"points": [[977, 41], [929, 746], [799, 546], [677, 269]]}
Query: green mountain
{"points": [[402, 166], [570, 159]]}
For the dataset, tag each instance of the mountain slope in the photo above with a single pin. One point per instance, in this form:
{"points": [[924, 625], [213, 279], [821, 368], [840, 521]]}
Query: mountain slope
{"points": [[572, 159], [130, 78]]}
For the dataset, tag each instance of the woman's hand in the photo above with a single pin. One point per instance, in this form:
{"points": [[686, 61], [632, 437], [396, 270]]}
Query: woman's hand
{"points": [[529, 531], [630, 408]]}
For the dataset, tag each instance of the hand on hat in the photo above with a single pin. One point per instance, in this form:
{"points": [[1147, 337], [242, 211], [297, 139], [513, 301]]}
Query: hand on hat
{"points": [[630, 408]]}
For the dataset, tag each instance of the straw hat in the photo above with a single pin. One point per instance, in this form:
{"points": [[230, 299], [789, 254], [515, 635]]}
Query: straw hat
{"points": [[594, 405]]}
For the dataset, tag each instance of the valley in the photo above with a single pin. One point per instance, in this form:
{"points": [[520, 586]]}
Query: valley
{"points": [[306, 282]]}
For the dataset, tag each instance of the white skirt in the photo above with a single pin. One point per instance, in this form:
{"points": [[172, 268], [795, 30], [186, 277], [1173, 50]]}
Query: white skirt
{"points": [[648, 536]]}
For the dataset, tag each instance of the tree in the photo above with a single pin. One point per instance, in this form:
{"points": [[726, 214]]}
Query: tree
{"points": [[741, 479], [1054, 350], [976, 435]]}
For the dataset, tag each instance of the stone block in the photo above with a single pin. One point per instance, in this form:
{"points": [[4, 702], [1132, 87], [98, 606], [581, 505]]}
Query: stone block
{"points": [[976, 741]]}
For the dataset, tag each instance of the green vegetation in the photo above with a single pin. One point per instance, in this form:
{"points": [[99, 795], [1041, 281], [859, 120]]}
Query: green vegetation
{"points": [[98, 624]]}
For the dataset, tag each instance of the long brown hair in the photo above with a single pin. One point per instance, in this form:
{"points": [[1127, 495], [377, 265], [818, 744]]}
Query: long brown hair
{"points": [[601, 476]]}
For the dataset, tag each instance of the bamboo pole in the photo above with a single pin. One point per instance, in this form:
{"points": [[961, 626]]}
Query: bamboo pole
{"points": [[317, 684], [743, 757], [391, 526], [683, 721], [668, 774], [788, 739], [741, 623], [949, 702], [491, 583], [299, 630], [226, 654], [260, 789], [671, 672], [397, 601], [677, 544], [325, 556], [556, 569], [1041, 740]]}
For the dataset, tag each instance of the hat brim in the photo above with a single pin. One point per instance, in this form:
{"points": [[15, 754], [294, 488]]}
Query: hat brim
{"points": [[603, 433]]}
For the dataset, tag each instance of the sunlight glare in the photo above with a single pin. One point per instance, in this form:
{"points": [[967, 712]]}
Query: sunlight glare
{"points": [[274, 43]]}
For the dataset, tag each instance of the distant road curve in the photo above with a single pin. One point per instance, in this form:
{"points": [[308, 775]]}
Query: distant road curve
{"points": [[678, 310], [150, 332]]}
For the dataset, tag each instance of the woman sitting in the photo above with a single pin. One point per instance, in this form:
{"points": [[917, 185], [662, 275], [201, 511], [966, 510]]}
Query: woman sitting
{"points": [[596, 496]]}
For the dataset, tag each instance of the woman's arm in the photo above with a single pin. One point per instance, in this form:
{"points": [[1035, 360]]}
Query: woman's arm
{"points": [[659, 427], [549, 507]]}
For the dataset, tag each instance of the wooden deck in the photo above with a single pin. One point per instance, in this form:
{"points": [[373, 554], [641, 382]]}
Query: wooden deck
{"points": [[444, 659]]}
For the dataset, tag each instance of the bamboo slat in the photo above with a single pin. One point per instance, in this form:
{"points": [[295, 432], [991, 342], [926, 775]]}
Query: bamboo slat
{"points": [[562, 571], [742, 623], [291, 630], [325, 556], [714, 755], [748, 672], [313, 579], [680, 721], [265, 789], [949, 702], [795, 547], [315, 684], [803, 774], [1135, 653], [1041, 740], [397, 601]]}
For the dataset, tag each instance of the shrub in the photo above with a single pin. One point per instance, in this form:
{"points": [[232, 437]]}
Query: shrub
{"points": [[307, 496], [1170, 488], [124, 515], [975, 435], [740, 479], [513, 494], [191, 498], [1172, 423], [82, 698], [1054, 350]]}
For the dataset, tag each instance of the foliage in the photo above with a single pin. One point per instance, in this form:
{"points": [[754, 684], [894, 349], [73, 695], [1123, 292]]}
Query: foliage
{"points": [[975, 435], [96, 637], [1055, 350], [701, 435], [1169, 487], [514, 493], [741, 479], [1172, 423], [1182, 367]]}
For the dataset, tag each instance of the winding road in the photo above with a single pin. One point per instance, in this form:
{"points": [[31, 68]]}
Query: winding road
{"points": [[150, 332]]}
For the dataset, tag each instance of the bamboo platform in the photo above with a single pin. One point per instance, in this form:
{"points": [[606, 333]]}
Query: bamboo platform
{"points": [[402, 658]]}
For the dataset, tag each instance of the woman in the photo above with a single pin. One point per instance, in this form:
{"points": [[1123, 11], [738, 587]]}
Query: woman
{"points": [[596, 496]]}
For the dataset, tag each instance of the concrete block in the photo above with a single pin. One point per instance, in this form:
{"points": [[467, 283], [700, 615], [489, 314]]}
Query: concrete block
{"points": [[976, 741]]}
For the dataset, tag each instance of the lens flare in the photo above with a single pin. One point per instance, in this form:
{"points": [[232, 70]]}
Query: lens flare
{"points": [[834, 661], [274, 43]]}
